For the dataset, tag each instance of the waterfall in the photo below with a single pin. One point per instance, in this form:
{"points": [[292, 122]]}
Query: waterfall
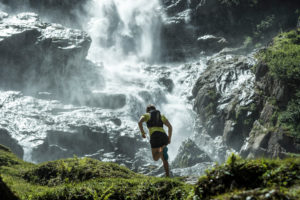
{"points": [[126, 41]]}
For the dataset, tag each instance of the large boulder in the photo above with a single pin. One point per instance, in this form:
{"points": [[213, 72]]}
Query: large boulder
{"points": [[80, 141], [38, 56], [189, 154], [225, 99], [268, 143]]}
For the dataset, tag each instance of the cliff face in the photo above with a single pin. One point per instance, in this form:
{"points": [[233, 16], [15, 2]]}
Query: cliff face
{"points": [[230, 22], [253, 104], [276, 132]]}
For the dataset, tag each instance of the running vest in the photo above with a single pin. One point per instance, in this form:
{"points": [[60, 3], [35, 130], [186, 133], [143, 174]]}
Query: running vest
{"points": [[155, 119]]}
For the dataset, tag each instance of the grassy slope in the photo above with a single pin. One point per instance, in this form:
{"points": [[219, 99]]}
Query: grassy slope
{"points": [[93, 180], [84, 179]]}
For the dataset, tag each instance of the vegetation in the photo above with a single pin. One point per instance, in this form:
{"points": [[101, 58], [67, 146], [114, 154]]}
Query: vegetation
{"points": [[283, 57], [84, 178], [254, 178], [283, 61]]}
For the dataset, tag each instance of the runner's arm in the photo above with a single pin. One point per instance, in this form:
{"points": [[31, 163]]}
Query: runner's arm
{"points": [[167, 123], [142, 119]]}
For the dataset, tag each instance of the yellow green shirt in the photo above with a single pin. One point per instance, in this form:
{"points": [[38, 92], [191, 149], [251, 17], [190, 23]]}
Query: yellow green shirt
{"points": [[153, 129]]}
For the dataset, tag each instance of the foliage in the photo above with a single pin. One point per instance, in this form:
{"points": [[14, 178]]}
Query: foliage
{"points": [[291, 116], [283, 57], [283, 60], [238, 175], [264, 25], [84, 179]]}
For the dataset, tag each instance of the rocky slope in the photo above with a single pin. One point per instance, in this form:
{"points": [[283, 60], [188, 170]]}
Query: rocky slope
{"points": [[253, 103], [91, 179]]}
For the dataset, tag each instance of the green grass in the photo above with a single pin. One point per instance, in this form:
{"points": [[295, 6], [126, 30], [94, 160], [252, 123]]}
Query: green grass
{"points": [[238, 176], [88, 179], [84, 178]]}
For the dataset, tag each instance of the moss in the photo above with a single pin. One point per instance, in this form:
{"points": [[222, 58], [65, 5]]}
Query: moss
{"points": [[75, 170], [243, 175], [84, 179], [211, 107], [88, 179]]}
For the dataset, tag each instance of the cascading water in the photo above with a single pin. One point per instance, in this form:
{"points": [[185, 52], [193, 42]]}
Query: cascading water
{"points": [[125, 50], [126, 40]]}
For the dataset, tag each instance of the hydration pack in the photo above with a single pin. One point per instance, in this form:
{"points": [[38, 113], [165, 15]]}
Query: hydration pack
{"points": [[155, 119]]}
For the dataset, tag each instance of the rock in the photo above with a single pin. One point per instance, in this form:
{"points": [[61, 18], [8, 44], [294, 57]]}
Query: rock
{"points": [[177, 45], [225, 100], [80, 141], [189, 154], [65, 51], [185, 20], [267, 143], [168, 83], [66, 12], [10, 142], [211, 43]]}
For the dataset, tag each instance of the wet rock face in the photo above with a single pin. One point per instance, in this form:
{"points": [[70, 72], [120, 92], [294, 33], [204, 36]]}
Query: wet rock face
{"points": [[269, 144], [66, 12], [189, 154], [42, 57], [7, 140], [188, 20], [79, 141], [266, 139], [225, 100]]}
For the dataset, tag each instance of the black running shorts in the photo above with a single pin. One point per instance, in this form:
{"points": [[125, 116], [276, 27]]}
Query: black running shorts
{"points": [[158, 139]]}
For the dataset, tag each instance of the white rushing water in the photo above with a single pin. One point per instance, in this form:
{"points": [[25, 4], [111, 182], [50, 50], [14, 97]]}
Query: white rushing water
{"points": [[126, 41]]}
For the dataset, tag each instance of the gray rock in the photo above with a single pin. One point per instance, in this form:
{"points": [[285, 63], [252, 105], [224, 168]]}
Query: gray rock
{"points": [[80, 141], [168, 83], [211, 43], [54, 61], [225, 100], [189, 154], [264, 142], [7, 140], [67, 12]]}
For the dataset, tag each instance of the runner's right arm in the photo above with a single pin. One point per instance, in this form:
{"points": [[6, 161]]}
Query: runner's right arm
{"points": [[142, 119], [167, 123]]}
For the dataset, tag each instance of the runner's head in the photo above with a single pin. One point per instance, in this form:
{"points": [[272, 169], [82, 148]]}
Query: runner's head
{"points": [[150, 107]]}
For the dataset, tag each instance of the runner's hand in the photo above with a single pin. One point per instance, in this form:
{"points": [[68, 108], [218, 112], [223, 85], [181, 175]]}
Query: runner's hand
{"points": [[143, 135]]}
